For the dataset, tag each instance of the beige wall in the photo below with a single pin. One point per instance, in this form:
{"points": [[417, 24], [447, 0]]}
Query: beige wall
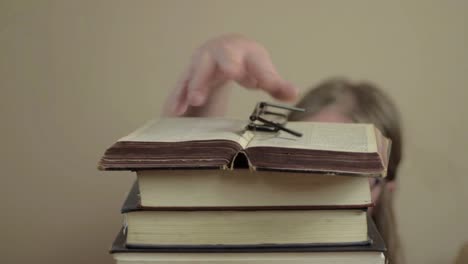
{"points": [[77, 75]]}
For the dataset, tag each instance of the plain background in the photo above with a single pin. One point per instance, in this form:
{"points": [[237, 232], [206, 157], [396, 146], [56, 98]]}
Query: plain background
{"points": [[77, 75]]}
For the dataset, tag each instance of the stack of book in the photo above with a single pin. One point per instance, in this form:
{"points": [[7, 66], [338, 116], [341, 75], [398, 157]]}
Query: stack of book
{"points": [[210, 191]]}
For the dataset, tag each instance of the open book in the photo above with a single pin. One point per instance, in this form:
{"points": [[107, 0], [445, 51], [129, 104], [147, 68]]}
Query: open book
{"points": [[225, 143]]}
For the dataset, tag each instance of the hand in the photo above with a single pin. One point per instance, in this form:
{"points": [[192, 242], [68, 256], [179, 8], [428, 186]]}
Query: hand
{"points": [[223, 59]]}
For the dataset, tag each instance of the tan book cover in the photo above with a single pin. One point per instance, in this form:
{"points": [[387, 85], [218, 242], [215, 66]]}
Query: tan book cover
{"points": [[243, 189]]}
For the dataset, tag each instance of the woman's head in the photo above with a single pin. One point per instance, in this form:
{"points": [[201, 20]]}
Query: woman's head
{"points": [[340, 100]]}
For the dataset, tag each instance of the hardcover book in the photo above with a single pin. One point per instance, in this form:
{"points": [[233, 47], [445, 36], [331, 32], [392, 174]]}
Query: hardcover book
{"points": [[221, 143], [372, 252], [242, 189], [193, 227]]}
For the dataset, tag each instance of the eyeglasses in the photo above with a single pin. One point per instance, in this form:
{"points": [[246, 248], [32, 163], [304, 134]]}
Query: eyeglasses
{"points": [[276, 120]]}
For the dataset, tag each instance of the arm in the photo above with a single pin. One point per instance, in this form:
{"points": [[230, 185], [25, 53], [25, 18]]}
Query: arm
{"points": [[202, 89]]}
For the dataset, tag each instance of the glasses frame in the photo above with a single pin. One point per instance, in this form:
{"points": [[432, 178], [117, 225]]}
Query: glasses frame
{"points": [[261, 110]]}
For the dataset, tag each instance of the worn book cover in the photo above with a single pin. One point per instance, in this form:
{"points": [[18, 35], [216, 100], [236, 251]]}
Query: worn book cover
{"points": [[222, 143]]}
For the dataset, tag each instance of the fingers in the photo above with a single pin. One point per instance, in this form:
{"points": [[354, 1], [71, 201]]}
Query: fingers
{"points": [[283, 90], [177, 102], [267, 78], [203, 74], [248, 81], [193, 88], [218, 61], [182, 103]]}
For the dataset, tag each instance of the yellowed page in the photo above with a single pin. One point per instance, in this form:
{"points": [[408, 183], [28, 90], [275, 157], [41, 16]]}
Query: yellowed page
{"points": [[321, 136], [246, 227], [253, 258], [190, 129]]}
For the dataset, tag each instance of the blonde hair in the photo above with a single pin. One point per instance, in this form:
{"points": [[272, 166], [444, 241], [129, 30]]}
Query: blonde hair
{"points": [[363, 102]]}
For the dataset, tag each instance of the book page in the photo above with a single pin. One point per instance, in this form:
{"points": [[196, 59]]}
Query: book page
{"points": [[190, 129], [349, 137]]}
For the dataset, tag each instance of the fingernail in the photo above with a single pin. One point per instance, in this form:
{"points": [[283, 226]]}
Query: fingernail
{"points": [[178, 109]]}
